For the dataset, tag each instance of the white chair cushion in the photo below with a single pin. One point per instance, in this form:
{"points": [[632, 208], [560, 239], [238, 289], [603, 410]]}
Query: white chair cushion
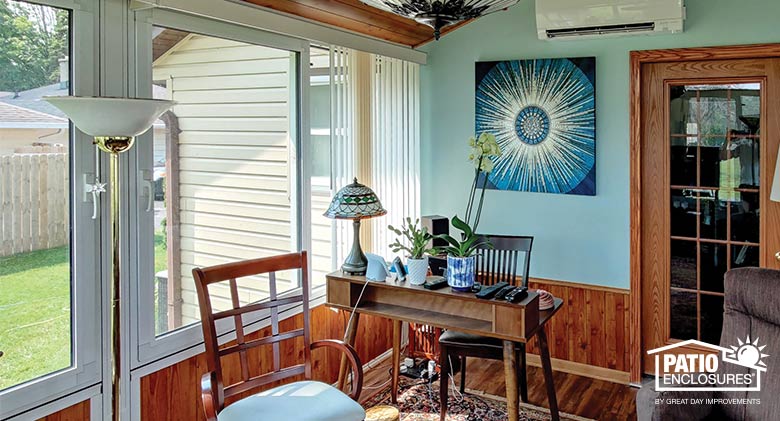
{"points": [[300, 401]]}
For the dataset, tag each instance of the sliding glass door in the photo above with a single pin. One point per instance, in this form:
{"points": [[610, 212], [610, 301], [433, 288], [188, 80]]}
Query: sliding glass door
{"points": [[219, 178]]}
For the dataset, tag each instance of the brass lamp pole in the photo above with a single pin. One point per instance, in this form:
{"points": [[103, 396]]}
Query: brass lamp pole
{"points": [[113, 123]]}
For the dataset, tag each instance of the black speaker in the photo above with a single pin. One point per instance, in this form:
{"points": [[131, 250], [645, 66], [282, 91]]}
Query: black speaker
{"points": [[436, 225]]}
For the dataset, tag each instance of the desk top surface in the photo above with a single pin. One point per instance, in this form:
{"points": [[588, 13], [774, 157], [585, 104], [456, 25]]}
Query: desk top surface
{"points": [[544, 315], [446, 291]]}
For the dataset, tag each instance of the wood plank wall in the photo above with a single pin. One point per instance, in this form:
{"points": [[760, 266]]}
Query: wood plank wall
{"points": [[592, 328], [589, 336], [77, 412], [174, 392]]}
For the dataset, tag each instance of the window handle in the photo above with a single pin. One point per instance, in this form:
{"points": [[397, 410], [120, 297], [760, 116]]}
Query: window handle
{"points": [[148, 187], [95, 189]]}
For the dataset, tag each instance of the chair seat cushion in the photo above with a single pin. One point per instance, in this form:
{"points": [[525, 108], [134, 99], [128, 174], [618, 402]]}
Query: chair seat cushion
{"points": [[454, 338], [302, 401]]}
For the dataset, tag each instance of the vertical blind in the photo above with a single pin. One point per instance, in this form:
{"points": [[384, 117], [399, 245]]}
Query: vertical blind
{"points": [[395, 145], [393, 107], [343, 165]]}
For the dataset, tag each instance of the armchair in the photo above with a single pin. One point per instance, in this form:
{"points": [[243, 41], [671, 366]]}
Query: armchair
{"points": [[305, 400], [751, 308]]}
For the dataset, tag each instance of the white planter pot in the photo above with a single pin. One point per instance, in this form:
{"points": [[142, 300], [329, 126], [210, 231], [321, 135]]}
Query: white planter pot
{"points": [[418, 270]]}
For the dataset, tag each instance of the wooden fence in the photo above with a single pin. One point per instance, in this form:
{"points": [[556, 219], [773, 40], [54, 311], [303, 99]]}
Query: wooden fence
{"points": [[34, 200]]}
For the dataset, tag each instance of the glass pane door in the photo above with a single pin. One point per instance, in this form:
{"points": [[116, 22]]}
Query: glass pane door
{"points": [[714, 207]]}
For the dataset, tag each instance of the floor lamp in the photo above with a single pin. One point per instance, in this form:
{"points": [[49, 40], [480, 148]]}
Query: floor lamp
{"points": [[113, 123]]}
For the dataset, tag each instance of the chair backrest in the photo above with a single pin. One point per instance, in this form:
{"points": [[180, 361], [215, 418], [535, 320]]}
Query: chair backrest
{"points": [[508, 260], [230, 272], [751, 310]]}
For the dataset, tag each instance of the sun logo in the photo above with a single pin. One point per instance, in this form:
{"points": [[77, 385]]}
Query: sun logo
{"points": [[747, 354]]}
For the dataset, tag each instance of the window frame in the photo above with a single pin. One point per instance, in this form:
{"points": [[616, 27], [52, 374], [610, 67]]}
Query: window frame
{"points": [[148, 351], [85, 247]]}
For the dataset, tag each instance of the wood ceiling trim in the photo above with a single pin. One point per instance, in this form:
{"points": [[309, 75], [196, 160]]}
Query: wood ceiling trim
{"points": [[358, 10], [355, 16]]}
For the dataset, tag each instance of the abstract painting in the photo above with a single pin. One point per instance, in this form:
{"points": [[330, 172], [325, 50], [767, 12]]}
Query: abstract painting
{"points": [[543, 114]]}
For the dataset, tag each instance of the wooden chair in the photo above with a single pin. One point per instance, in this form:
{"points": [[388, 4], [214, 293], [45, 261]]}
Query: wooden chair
{"points": [[507, 261], [303, 400]]}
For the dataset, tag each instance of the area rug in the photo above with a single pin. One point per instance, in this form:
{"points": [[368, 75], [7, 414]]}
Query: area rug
{"points": [[419, 401]]}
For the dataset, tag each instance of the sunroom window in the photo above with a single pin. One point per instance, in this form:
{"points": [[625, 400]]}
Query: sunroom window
{"points": [[35, 253], [224, 176]]}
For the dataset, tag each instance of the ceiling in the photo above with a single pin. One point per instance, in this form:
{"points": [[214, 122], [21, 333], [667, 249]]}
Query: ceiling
{"points": [[355, 16]]}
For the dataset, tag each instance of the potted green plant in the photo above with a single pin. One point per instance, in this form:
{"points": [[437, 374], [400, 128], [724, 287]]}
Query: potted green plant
{"points": [[417, 249], [461, 255]]}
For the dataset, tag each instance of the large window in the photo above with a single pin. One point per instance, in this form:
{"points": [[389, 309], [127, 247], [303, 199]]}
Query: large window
{"points": [[319, 164], [48, 270], [227, 193], [35, 267], [220, 176]]}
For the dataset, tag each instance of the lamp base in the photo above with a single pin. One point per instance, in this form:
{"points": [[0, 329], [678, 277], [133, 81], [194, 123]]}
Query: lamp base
{"points": [[356, 263], [354, 270]]}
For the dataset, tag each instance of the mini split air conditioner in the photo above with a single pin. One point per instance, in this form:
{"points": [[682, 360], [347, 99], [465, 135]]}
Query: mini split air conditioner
{"points": [[570, 19]]}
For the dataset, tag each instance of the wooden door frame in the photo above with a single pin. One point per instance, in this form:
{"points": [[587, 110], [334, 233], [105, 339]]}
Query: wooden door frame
{"points": [[638, 58]]}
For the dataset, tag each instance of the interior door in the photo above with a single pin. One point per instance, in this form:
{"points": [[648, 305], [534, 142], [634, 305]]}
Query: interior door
{"points": [[709, 146]]}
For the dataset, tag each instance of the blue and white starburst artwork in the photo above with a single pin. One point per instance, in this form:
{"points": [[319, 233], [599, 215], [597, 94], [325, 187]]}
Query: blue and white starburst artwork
{"points": [[543, 114]]}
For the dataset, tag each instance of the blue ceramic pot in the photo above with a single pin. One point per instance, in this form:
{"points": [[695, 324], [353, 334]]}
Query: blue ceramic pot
{"points": [[461, 272]]}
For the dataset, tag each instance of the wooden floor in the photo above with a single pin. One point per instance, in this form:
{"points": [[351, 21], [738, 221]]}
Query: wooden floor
{"points": [[596, 399]]}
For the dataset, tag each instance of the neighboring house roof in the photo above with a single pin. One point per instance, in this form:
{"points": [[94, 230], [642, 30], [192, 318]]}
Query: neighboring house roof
{"points": [[32, 99], [13, 117]]}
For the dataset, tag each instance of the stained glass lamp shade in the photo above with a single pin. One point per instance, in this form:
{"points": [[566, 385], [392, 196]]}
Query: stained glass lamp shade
{"points": [[355, 201], [440, 13]]}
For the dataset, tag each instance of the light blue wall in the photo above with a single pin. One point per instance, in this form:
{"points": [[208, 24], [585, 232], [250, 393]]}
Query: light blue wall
{"points": [[578, 238]]}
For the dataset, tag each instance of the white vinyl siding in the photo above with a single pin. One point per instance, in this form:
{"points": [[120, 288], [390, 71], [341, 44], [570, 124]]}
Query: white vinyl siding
{"points": [[234, 158]]}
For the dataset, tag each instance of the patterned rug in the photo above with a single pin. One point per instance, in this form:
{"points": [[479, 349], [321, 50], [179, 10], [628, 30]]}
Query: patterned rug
{"points": [[420, 402]]}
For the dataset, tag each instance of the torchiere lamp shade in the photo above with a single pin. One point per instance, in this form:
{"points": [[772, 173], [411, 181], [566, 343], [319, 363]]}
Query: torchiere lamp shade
{"points": [[111, 117], [355, 201]]}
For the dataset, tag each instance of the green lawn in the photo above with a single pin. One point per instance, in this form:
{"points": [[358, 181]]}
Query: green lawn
{"points": [[35, 312]]}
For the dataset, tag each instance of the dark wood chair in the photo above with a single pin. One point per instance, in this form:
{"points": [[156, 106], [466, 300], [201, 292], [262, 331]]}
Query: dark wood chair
{"points": [[303, 400], [507, 261]]}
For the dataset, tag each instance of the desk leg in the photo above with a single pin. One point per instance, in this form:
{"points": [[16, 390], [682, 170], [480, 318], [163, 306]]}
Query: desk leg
{"points": [[350, 339], [510, 373], [544, 353], [396, 359]]}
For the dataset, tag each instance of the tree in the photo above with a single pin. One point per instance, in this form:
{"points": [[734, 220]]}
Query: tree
{"points": [[32, 40]]}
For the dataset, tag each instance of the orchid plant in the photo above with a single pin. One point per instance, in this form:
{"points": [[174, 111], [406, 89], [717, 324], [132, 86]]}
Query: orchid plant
{"points": [[483, 150], [471, 241]]}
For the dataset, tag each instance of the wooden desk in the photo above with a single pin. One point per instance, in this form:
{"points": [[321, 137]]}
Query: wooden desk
{"points": [[447, 309]]}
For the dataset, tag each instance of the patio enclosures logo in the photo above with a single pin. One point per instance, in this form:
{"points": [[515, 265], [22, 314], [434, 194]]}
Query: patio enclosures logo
{"points": [[704, 371]]}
